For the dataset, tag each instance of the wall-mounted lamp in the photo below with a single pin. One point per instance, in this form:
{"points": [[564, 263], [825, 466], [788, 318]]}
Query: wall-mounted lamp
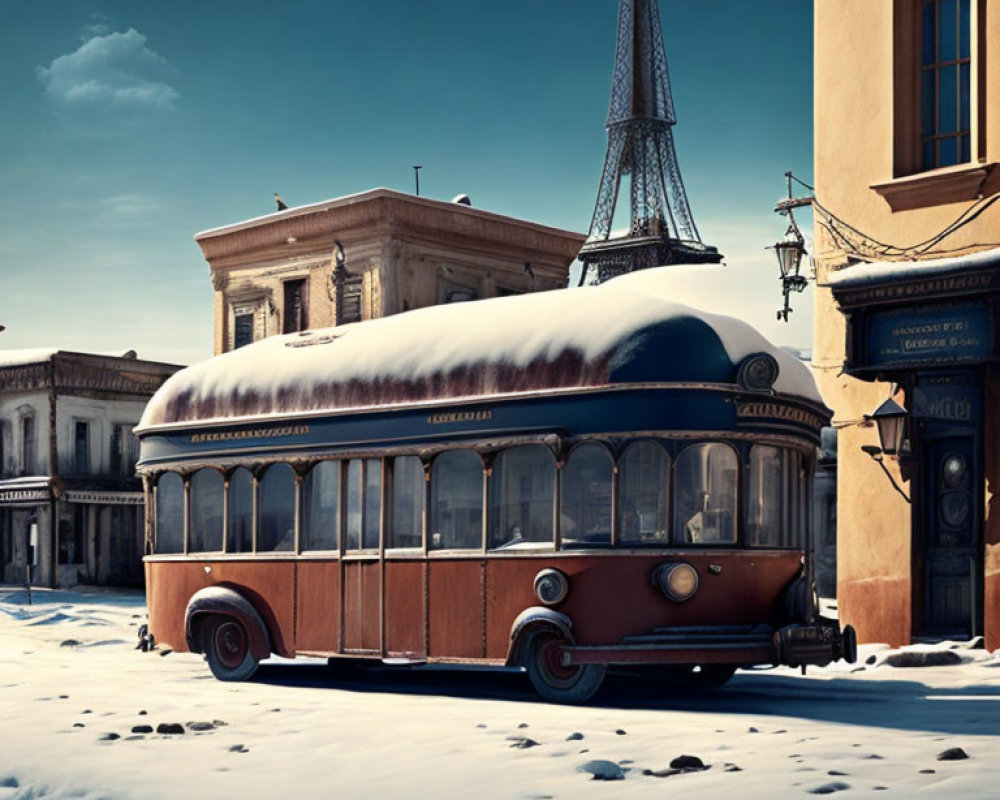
{"points": [[890, 422], [790, 248]]}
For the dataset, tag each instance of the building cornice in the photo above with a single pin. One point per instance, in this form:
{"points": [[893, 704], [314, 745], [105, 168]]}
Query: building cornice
{"points": [[312, 227]]}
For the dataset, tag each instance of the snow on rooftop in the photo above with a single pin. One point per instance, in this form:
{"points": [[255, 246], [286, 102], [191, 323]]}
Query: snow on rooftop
{"points": [[623, 331], [880, 271], [32, 355]]}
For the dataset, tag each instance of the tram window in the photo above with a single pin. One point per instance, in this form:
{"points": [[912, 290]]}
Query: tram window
{"points": [[207, 489], [522, 497], [705, 495], [585, 498], [364, 503], [170, 513], [405, 525], [321, 506], [457, 501], [767, 497], [643, 493], [240, 524], [373, 504], [277, 510]]}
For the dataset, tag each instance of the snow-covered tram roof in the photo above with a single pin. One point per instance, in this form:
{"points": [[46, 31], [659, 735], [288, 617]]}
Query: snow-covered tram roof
{"points": [[624, 331]]}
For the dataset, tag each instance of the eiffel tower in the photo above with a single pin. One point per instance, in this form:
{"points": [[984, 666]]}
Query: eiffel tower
{"points": [[641, 145]]}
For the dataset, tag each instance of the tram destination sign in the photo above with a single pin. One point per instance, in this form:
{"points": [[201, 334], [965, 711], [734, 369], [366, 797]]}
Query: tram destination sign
{"points": [[940, 334]]}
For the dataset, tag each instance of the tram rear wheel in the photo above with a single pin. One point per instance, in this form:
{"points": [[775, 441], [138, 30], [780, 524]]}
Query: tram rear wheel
{"points": [[552, 680], [226, 645]]}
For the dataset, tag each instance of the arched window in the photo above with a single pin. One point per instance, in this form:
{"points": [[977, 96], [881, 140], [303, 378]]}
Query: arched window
{"points": [[585, 497], [457, 501], [321, 506], [240, 522], [705, 480], [407, 504], [170, 513], [643, 496], [207, 492], [277, 510], [522, 496]]}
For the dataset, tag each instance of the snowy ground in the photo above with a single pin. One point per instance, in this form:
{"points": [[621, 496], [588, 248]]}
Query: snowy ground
{"points": [[72, 688]]}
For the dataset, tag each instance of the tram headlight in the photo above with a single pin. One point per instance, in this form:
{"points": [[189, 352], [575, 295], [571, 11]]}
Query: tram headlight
{"points": [[551, 586], [677, 580]]}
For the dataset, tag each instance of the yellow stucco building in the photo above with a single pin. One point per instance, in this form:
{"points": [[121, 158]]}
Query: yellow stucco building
{"points": [[907, 168]]}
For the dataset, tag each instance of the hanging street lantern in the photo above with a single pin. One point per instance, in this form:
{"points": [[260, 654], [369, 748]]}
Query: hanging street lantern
{"points": [[890, 419], [790, 248]]}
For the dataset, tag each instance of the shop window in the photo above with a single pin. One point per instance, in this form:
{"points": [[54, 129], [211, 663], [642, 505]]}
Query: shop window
{"points": [[457, 501], [207, 491], [643, 493], [585, 497], [945, 82], [72, 535], [407, 505], [276, 531], [239, 530], [6, 536], [170, 513], [705, 480], [321, 506], [522, 497]]}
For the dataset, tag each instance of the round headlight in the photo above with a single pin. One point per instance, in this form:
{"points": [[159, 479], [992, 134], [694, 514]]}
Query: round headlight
{"points": [[677, 581], [551, 586]]}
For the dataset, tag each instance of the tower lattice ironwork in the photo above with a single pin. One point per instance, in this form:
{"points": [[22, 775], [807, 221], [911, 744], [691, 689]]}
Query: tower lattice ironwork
{"points": [[641, 146]]}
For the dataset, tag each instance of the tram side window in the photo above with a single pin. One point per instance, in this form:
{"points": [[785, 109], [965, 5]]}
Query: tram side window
{"points": [[585, 499], [170, 513], [240, 523], [364, 503], [321, 506], [522, 497], [457, 501], [277, 510], [643, 472], [705, 494], [776, 506], [207, 489], [407, 509]]}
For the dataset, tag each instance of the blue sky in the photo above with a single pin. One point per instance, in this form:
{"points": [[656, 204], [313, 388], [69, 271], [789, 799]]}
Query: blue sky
{"points": [[130, 126]]}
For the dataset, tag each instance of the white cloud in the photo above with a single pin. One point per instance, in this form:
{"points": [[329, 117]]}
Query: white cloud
{"points": [[115, 73]]}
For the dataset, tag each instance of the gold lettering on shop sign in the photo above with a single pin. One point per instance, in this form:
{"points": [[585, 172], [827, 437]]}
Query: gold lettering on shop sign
{"points": [[459, 416], [779, 412], [253, 433], [922, 288]]}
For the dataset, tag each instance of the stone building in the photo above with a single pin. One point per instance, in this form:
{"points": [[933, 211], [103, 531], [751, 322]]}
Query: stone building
{"points": [[907, 169], [70, 504], [278, 273]]}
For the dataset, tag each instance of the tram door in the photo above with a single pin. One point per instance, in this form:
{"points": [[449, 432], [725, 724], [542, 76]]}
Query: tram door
{"points": [[952, 567]]}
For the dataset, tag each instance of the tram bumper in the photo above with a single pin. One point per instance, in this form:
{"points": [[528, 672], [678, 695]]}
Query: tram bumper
{"points": [[793, 645]]}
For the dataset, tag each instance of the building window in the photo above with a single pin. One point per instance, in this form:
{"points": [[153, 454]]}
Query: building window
{"points": [[81, 447], [295, 308], [28, 445], [945, 87], [6, 536], [123, 450]]}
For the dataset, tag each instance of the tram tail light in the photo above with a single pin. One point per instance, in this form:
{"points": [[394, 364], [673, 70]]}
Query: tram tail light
{"points": [[551, 586], [677, 580]]}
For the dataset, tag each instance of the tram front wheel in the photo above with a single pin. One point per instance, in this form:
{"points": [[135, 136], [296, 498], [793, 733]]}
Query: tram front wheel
{"points": [[554, 681], [226, 645]]}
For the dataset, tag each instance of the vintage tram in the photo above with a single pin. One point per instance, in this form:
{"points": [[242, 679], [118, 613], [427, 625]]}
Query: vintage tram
{"points": [[562, 481]]}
